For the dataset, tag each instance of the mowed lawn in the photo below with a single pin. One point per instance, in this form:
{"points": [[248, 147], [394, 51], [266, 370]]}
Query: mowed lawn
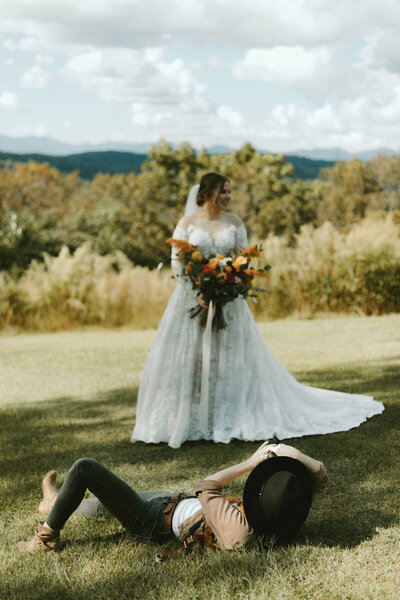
{"points": [[73, 394]]}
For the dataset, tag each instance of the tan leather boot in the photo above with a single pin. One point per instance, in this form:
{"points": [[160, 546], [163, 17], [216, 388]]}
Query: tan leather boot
{"points": [[49, 493], [44, 539]]}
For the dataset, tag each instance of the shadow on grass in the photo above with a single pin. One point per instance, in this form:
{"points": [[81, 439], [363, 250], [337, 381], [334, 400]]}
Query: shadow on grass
{"points": [[381, 380], [363, 463]]}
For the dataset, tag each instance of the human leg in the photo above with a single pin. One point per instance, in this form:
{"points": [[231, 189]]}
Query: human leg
{"points": [[113, 493], [142, 517], [92, 507], [49, 492]]}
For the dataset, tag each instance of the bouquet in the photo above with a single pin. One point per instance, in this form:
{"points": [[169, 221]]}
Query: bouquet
{"points": [[219, 278]]}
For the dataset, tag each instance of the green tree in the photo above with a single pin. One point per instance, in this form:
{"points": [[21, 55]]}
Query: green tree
{"points": [[351, 187]]}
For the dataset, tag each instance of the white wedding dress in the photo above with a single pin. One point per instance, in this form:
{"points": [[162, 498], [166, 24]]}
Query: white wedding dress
{"points": [[251, 395]]}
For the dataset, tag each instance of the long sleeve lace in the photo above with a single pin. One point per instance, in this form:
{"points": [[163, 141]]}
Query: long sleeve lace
{"points": [[241, 238]]}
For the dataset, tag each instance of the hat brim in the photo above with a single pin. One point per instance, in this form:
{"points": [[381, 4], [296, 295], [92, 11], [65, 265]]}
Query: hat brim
{"points": [[254, 485]]}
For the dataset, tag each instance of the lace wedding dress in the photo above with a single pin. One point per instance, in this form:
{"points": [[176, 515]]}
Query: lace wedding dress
{"points": [[251, 395]]}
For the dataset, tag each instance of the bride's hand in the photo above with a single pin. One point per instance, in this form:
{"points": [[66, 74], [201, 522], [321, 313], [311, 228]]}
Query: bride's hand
{"points": [[200, 299]]}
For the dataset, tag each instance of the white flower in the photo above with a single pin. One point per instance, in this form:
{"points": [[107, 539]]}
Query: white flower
{"points": [[225, 261]]}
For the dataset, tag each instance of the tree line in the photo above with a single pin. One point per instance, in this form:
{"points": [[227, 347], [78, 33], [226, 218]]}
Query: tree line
{"points": [[42, 209]]}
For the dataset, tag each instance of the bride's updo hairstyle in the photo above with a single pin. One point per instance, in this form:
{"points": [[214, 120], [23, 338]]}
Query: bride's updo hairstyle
{"points": [[208, 183]]}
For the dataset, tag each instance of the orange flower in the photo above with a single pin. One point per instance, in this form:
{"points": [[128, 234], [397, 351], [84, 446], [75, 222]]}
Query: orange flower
{"points": [[207, 269], [227, 269], [221, 277], [238, 262], [181, 244], [197, 255], [250, 251], [220, 256], [189, 267], [214, 263], [249, 272]]}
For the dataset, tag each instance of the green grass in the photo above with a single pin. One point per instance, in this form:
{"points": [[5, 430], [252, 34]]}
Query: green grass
{"points": [[67, 395]]}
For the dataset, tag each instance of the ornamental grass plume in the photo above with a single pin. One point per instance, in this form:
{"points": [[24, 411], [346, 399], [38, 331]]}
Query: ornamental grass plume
{"points": [[327, 270], [324, 270], [84, 288]]}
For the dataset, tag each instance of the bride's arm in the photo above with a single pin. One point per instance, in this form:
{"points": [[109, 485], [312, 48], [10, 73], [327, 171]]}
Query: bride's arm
{"points": [[241, 241], [180, 233]]}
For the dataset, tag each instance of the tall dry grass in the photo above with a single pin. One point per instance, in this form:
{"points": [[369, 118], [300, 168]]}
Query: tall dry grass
{"points": [[84, 288], [325, 270], [328, 270]]}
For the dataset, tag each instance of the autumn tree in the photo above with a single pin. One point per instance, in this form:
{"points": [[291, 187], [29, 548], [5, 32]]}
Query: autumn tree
{"points": [[386, 170], [350, 188], [36, 188], [34, 199]]}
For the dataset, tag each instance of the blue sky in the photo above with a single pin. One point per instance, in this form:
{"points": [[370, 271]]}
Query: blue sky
{"points": [[284, 75]]}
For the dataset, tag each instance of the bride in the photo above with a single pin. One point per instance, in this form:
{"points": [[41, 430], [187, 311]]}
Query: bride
{"points": [[226, 384]]}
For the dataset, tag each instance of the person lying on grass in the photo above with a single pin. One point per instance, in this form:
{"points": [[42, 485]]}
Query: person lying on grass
{"points": [[276, 500]]}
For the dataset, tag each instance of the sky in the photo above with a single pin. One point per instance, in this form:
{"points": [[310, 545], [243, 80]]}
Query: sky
{"points": [[282, 74]]}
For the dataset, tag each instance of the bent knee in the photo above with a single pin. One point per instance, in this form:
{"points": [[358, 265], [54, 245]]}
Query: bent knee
{"points": [[84, 463]]}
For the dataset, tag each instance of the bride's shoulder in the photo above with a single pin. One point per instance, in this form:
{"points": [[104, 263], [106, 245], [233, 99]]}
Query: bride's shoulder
{"points": [[188, 220], [184, 222], [234, 220]]}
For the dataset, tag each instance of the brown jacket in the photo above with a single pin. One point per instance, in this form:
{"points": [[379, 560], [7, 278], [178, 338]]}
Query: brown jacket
{"points": [[230, 527]]}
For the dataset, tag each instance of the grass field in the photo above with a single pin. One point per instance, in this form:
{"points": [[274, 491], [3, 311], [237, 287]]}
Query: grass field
{"points": [[72, 394]]}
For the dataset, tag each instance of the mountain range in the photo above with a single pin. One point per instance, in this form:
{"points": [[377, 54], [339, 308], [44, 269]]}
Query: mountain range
{"points": [[113, 162], [52, 147]]}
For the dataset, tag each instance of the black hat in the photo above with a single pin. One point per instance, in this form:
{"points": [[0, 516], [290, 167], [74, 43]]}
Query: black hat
{"points": [[277, 497]]}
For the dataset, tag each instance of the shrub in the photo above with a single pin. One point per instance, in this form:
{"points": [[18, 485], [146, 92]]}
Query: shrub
{"points": [[323, 270], [328, 270], [84, 288]]}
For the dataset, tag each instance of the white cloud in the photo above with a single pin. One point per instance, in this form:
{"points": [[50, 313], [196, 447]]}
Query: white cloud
{"points": [[166, 99], [383, 50], [35, 78], [126, 75], [282, 64], [318, 76], [9, 44], [7, 62], [43, 59], [201, 126], [9, 100], [229, 115], [132, 52], [140, 23], [36, 130], [349, 125]]}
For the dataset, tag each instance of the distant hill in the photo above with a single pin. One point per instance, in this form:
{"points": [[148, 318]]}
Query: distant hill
{"points": [[112, 162], [306, 168], [339, 154], [52, 147], [87, 163]]}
